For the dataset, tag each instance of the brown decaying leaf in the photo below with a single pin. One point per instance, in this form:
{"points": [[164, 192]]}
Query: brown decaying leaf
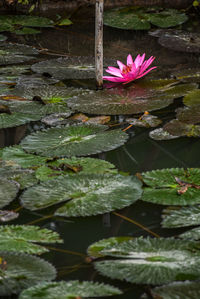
{"points": [[103, 119], [185, 185], [12, 98]]}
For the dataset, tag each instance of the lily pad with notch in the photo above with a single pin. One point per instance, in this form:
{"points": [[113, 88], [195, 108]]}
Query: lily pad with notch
{"points": [[78, 67], [20, 271], [69, 290], [181, 217], [76, 140], [146, 95], [141, 18], [90, 194], [149, 260], [23, 238], [172, 186]]}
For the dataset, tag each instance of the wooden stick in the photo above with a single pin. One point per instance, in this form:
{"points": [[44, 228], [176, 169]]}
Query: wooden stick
{"points": [[99, 43]]}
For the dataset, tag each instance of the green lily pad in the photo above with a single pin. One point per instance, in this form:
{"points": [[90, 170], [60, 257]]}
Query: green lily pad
{"points": [[160, 134], [150, 260], [69, 290], [14, 70], [74, 165], [77, 67], [189, 115], [16, 53], [141, 18], [16, 119], [163, 187], [76, 140], [23, 271], [22, 238], [91, 194], [192, 234], [14, 155], [34, 81], [192, 99], [177, 290], [26, 30], [178, 40], [178, 128], [64, 22], [142, 96], [185, 216], [8, 191]]}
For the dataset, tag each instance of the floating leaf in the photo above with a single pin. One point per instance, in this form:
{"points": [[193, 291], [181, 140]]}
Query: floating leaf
{"points": [[177, 290], [34, 81], [14, 70], [8, 191], [192, 234], [160, 134], [16, 53], [141, 18], [14, 155], [26, 30], [16, 119], [76, 67], [22, 238], [77, 140], [74, 165], [178, 40], [189, 115], [185, 216], [8, 215], [91, 194], [22, 271], [139, 97], [192, 99], [150, 261], [69, 290], [146, 120], [64, 22], [163, 186], [178, 128], [3, 38], [56, 119]]}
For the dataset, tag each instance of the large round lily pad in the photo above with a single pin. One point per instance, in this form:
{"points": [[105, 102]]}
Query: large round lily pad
{"points": [[78, 67], [69, 290], [22, 271], [139, 97], [76, 140], [172, 186], [8, 191], [149, 260], [141, 18], [90, 194]]}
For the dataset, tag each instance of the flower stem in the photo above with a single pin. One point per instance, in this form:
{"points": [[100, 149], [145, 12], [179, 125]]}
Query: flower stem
{"points": [[99, 43]]}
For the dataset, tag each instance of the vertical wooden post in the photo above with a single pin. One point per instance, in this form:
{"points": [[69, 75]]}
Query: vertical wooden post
{"points": [[99, 43]]}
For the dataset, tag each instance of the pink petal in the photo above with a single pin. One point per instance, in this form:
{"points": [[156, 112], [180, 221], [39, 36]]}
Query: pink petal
{"points": [[146, 64], [142, 75], [139, 60], [113, 79], [121, 65], [129, 60], [114, 71]]}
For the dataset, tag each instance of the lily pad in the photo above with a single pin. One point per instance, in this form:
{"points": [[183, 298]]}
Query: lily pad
{"points": [[21, 272], [189, 115], [6, 215], [76, 140], [145, 121], [73, 166], [192, 234], [69, 290], [3, 38], [160, 134], [141, 18], [90, 195], [16, 119], [177, 290], [178, 40], [172, 186], [26, 30], [22, 238], [192, 99], [150, 260], [8, 191], [178, 128], [77, 67], [34, 81], [16, 53], [139, 97], [14, 155], [185, 216], [14, 70]]}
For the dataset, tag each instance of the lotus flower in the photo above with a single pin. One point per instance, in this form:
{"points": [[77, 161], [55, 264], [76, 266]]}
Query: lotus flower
{"points": [[131, 71]]}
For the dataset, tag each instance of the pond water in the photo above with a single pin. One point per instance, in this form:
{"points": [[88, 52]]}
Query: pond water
{"points": [[140, 153]]}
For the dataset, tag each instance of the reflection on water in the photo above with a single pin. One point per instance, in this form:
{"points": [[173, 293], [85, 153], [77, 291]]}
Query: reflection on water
{"points": [[139, 154]]}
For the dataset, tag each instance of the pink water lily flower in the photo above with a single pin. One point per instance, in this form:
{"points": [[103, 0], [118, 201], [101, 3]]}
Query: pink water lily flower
{"points": [[133, 70]]}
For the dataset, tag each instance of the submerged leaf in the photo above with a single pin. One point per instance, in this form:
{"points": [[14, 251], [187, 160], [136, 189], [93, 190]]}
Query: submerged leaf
{"points": [[150, 260], [163, 187], [68, 290], [90, 195], [22, 271], [76, 140]]}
